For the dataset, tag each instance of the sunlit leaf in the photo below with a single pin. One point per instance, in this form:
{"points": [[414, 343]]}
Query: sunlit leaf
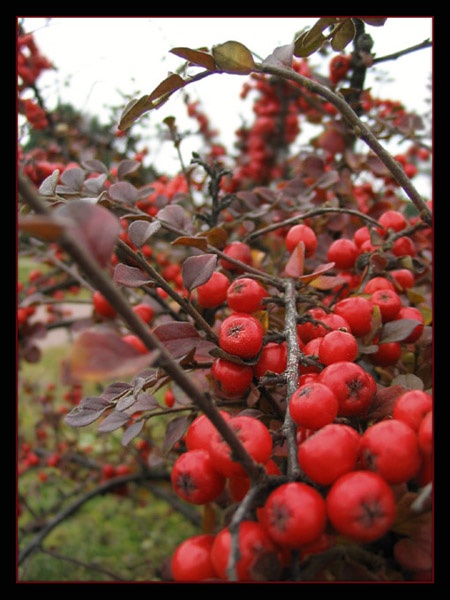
{"points": [[233, 57], [134, 109], [281, 56], [48, 186], [343, 36]]}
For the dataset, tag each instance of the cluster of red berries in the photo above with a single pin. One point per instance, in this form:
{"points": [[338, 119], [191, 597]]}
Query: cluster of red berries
{"points": [[30, 62]]}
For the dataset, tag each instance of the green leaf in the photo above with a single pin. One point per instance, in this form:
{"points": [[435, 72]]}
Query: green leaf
{"points": [[233, 57]]}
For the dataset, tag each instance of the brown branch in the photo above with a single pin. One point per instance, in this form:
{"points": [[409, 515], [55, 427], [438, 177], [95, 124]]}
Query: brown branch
{"points": [[400, 53]]}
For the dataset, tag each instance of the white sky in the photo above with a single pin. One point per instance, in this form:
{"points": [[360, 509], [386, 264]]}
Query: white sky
{"points": [[103, 61]]}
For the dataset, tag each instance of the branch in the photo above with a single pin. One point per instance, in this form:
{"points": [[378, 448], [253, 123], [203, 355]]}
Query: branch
{"points": [[359, 129], [164, 358], [400, 53]]}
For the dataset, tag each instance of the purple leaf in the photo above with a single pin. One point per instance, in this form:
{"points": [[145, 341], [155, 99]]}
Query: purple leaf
{"points": [[131, 432], [174, 432], [140, 231], [197, 270], [126, 167], [180, 338], [113, 421], [130, 276], [94, 227], [281, 56], [73, 178], [95, 166], [88, 411], [397, 331], [174, 215], [123, 192]]}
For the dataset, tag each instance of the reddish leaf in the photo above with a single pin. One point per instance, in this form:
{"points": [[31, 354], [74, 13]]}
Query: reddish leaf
{"points": [[200, 242], [171, 84], [44, 227], [174, 215], [180, 338], [295, 264], [384, 401], [415, 553], [98, 355], [133, 110], [196, 57], [127, 166], [94, 227], [95, 166], [130, 276], [175, 430], [317, 272], [197, 270]]}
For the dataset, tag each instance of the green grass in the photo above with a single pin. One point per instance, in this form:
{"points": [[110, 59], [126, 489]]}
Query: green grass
{"points": [[111, 537]]}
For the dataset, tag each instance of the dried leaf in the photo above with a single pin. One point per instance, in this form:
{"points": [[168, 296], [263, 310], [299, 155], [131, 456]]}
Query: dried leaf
{"points": [[233, 57], [317, 272], [171, 84], [196, 57], [200, 242], [45, 227], [133, 110], [197, 270], [130, 276]]}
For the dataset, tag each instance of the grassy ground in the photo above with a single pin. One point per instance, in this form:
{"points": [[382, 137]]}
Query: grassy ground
{"points": [[112, 537]]}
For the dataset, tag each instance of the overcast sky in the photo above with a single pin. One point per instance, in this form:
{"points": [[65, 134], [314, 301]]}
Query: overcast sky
{"points": [[102, 61]]}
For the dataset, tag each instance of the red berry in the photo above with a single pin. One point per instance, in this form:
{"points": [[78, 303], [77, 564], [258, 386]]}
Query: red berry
{"points": [[361, 506], [391, 449], [343, 253], [388, 354], [239, 251], [241, 334], [191, 560], [329, 453], [200, 431], [294, 514], [253, 543], [195, 479], [231, 378], [336, 346], [378, 283], [353, 387], [425, 434], [102, 306], [145, 311], [410, 312], [389, 303], [313, 405], [255, 438], [245, 295], [357, 311], [411, 407], [301, 233], [392, 219], [213, 293], [273, 359]]}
